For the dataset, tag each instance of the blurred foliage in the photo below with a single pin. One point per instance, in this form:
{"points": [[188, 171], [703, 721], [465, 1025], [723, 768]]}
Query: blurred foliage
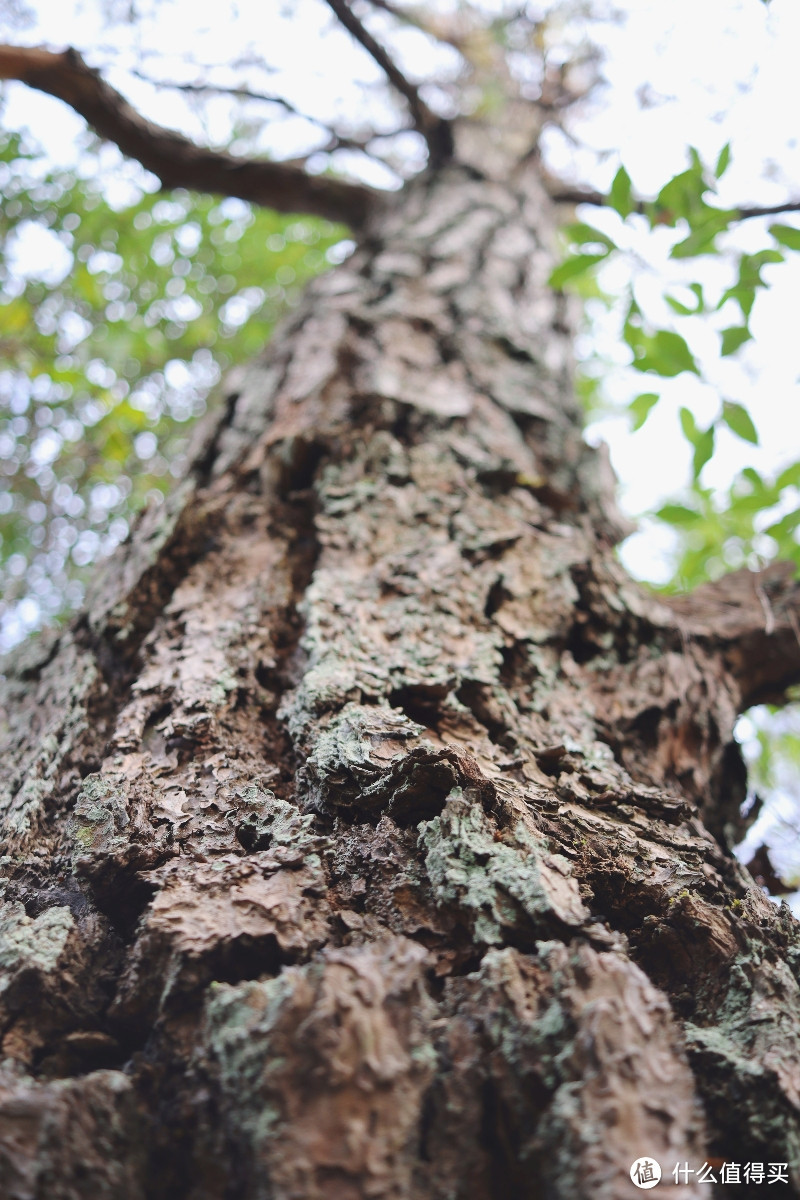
{"points": [[766, 768], [115, 323], [770, 739], [754, 519]]}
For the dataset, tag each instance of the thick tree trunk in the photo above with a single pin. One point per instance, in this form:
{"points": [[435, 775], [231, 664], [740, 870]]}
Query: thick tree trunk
{"points": [[353, 838]]}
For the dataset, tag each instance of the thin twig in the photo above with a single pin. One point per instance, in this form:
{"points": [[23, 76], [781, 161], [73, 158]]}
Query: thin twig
{"points": [[435, 130], [763, 599], [398, 13], [336, 139], [767, 210], [242, 93], [743, 212], [418, 19], [449, 30]]}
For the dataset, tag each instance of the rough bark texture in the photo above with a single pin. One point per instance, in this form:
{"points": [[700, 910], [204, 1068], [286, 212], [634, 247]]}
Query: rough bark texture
{"points": [[369, 835]]}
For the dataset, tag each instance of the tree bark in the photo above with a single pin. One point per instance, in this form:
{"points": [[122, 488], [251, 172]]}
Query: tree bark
{"points": [[369, 835]]}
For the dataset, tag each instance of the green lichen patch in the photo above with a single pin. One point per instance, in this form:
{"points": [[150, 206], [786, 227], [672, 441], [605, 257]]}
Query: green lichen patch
{"points": [[371, 760], [502, 885], [38, 751], [72, 1138], [325, 1069], [100, 823], [54, 975], [100, 810], [750, 1038], [265, 821], [568, 1037], [30, 945], [112, 837]]}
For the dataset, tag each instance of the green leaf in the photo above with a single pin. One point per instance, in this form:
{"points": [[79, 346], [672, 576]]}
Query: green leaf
{"points": [[701, 439], [696, 160], [739, 421], [744, 296], [789, 477], [641, 407], [752, 263], [678, 515], [664, 352], [704, 231], [681, 309], [688, 425], [723, 161], [733, 338], [786, 525], [620, 196], [685, 310], [786, 235], [581, 234], [750, 268], [681, 196], [703, 449], [574, 267]]}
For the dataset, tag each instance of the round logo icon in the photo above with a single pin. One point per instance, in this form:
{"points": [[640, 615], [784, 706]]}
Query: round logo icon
{"points": [[645, 1172]]}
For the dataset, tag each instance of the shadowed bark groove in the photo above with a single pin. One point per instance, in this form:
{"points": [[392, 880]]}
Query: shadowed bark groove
{"points": [[357, 838]]}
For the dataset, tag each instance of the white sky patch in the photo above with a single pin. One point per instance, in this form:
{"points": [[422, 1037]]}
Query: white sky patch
{"points": [[36, 253]]}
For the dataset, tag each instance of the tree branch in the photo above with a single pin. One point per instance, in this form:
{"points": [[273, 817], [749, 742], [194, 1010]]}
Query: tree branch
{"points": [[174, 159], [241, 93], [743, 212], [753, 619], [336, 139], [767, 210], [436, 130], [393, 11], [435, 25]]}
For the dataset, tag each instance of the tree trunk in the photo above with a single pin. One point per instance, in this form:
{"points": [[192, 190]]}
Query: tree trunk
{"points": [[357, 836]]}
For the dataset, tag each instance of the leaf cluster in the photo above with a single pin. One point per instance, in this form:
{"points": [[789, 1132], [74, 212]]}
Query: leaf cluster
{"points": [[755, 519], [109, 349]]}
